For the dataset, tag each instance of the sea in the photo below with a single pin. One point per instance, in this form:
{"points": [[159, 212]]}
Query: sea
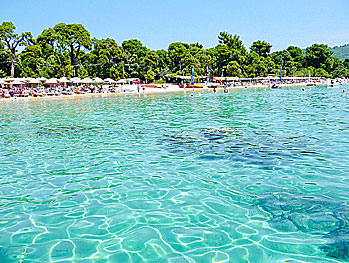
{"points": [[253, 175]]}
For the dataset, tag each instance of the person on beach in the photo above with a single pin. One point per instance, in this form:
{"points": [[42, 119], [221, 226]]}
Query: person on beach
{"points": [[138, 88], [226, 88], [214, 89]]}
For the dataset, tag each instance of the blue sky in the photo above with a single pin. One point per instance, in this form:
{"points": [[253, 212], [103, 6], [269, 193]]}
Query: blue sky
{"points": [[158, 23]]}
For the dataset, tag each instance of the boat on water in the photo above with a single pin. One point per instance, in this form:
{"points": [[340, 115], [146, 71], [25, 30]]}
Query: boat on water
{"points": [[332, 83], [310, 84], [213, 85], [154, 86], [274, 86], [193, 86]]}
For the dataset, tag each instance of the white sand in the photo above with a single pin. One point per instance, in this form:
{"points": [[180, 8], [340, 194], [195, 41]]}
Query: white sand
{"points": [[132, 89]]}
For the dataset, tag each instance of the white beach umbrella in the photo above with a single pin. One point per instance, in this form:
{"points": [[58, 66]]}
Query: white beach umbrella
{"points": [[16, 82], [25, 79], [34, 81], [109, 80], [51, 81], [10, 79], [121, 81], [64, 80], [98, 80], [42, 79], [86, 80], [76, 80]]}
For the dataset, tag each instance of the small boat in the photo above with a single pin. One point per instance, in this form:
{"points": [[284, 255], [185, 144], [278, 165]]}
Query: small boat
{"points": [[149, 86], [213, 85], [331, 83], [310, 84], [194, 86], [274, 86]]}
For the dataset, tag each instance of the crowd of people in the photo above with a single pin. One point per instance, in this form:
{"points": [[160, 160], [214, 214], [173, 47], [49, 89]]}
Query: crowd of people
{"points": [[41, 91], [13, 89]]}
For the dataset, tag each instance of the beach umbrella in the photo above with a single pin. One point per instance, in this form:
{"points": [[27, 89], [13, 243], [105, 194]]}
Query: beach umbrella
{"points": [[10, 79], [25, 79], [34, 81], [109, 80], [98, 80], [51, 81], [75, 80], [16, 82], [121, 81], [42, 79], [64, 80], [86, 80]]}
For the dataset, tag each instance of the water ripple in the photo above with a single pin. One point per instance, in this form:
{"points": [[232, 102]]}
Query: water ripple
{"points": [[248, 176]]}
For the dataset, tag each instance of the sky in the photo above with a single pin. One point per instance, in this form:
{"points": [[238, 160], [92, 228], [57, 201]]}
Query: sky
{"points": [[157, 23]]}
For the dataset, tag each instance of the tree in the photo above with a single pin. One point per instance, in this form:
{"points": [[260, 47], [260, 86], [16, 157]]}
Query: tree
{"points": [[5, 58], [47, 40], [11, 41], [29, 59], [104, 57], [257, 65], [163, 66], [150, 75], [233, 69], [262, 48], [134, 54], [176, 53], [238, 50], [73, 37], [55, 58], [319, 56], [296, 53]]}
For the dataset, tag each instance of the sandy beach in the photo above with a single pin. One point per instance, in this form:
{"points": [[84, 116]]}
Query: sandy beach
{"points": [[132, 89]]}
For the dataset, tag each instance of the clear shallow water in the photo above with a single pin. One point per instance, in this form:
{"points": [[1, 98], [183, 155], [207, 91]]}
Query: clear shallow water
{"points": [[249, 176]]}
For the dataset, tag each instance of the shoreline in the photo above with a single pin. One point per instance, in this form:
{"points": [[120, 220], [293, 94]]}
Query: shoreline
{"points": [[131, 89]]}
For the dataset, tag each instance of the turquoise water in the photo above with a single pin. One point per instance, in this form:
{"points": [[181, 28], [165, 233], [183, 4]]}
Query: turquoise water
{"points": [[249, 176]]}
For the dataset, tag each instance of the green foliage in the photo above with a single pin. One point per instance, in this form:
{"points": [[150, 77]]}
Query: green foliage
{"points": [[319, 56], [341, 52], [150, 76], [262, 48], [320, 72], [72, 38], [10, 40], [160, 81]]}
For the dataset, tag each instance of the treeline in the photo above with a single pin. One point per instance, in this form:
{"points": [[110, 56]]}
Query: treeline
{"points": [[68, 50]]}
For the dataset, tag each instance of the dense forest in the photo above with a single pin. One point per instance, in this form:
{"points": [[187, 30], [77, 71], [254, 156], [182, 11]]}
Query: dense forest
{"points": [[68, 50]]}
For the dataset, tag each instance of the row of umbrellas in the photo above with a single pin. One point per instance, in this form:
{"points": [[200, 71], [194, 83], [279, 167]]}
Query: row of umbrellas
{"points": [[52, 81]]}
